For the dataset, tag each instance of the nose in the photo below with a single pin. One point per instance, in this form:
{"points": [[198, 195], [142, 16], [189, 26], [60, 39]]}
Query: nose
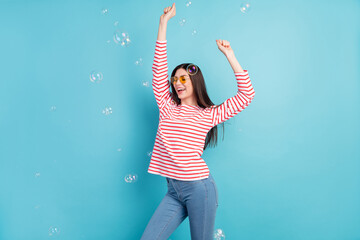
{"points": [[178, 83]]}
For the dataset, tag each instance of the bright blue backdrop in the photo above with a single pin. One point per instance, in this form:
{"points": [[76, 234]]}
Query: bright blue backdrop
{"points": [[288, 167]]}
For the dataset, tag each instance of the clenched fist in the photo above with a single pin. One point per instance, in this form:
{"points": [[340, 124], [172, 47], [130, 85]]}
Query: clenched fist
{"points": [[169, 12], [224, 47]]}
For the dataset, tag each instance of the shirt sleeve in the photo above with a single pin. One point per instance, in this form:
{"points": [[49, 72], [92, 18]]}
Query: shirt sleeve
{"points": [[160, 83], [236, 104]]}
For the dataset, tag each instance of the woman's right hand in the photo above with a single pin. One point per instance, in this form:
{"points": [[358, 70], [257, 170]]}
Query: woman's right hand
{"points": [[169, 12]]}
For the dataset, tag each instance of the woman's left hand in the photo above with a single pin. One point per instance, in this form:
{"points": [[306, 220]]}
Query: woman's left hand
{"points": [[224, 47]]}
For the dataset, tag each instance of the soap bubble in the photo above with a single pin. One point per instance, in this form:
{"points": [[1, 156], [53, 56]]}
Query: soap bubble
{"points": [[139, 62], [37, 174], [182, 21], [194, 32], [104, 11], [52, 108], [119, 149], [219, 234], [131, 178], [188, 3], [245, 7], [149, 154], [54, 231], [96, 76], [116, 23], [121, 38], [107, 111], [145, 84], [191, 69]]}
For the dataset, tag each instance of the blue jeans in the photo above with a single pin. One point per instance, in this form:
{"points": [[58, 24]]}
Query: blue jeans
{"points": [[197, 199]]}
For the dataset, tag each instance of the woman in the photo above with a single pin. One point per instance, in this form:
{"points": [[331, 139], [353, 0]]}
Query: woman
{"points": [[187, 124]]}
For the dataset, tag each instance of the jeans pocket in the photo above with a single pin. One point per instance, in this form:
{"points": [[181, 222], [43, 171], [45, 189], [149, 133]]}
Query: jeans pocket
{"points": [[216, 191]]}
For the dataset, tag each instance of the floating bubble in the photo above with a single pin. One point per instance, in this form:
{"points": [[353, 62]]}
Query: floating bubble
{"points": [[37, 174], [107, 111], [194, 32], [219, 234], [145, 84], [104, 11], [108, 41], [139, 62], [116, 23], [245, 7], [37, 207], [54, 231], [96, 76], [192, 69], [121, 38], [188, 3], [149, 154], [182, 21], [131, 178], [119, 149], [52, 108]]}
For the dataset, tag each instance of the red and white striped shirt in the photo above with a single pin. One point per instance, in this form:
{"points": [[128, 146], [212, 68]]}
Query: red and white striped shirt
{"points": [[182, 130]]}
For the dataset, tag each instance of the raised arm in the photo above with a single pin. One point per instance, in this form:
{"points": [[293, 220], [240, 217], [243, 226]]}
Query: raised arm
{"points": [[160, 83], [245, 93], [169, 12], [225, 48]]}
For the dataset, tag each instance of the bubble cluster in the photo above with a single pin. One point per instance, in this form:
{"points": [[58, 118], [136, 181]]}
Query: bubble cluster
{"points": [[145, 84], [131, 178], [219, 235], [107, 111], [96, 76], [121, 38], [245, 7], [182, 21], [188, 3], [139, 62], [104, 11], [54, 231]]}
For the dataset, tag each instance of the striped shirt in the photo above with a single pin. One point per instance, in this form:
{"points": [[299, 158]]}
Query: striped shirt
{"points": [[182, 129]]}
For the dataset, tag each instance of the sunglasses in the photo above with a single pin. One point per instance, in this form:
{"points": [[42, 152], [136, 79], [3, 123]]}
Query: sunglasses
{"points": [[182, 79]]}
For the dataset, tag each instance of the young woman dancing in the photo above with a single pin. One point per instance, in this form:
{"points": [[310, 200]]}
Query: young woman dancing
{"points": [[187, 124]]}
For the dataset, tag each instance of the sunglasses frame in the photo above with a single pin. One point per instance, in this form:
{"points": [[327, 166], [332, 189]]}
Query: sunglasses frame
{"points": [[174, 79]]}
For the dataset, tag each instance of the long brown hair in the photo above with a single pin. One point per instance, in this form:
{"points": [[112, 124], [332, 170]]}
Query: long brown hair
{"points": [[202, 99]]}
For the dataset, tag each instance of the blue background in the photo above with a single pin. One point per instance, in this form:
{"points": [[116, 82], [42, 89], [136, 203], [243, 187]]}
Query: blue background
{"points": [[288, 167]]}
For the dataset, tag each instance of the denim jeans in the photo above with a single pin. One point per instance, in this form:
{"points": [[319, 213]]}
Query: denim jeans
{"points": [[197, 199]]}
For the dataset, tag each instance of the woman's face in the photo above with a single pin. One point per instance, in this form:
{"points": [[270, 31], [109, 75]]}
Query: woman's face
{"points": [[188, 93]]}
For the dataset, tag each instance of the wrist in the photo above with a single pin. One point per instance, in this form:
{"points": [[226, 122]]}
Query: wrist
{"points": [[230, 55], [163, 22]]}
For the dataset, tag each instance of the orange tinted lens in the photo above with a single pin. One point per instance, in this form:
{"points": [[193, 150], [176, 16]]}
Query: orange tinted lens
{"points": [[173, 79], [182, 79]]}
